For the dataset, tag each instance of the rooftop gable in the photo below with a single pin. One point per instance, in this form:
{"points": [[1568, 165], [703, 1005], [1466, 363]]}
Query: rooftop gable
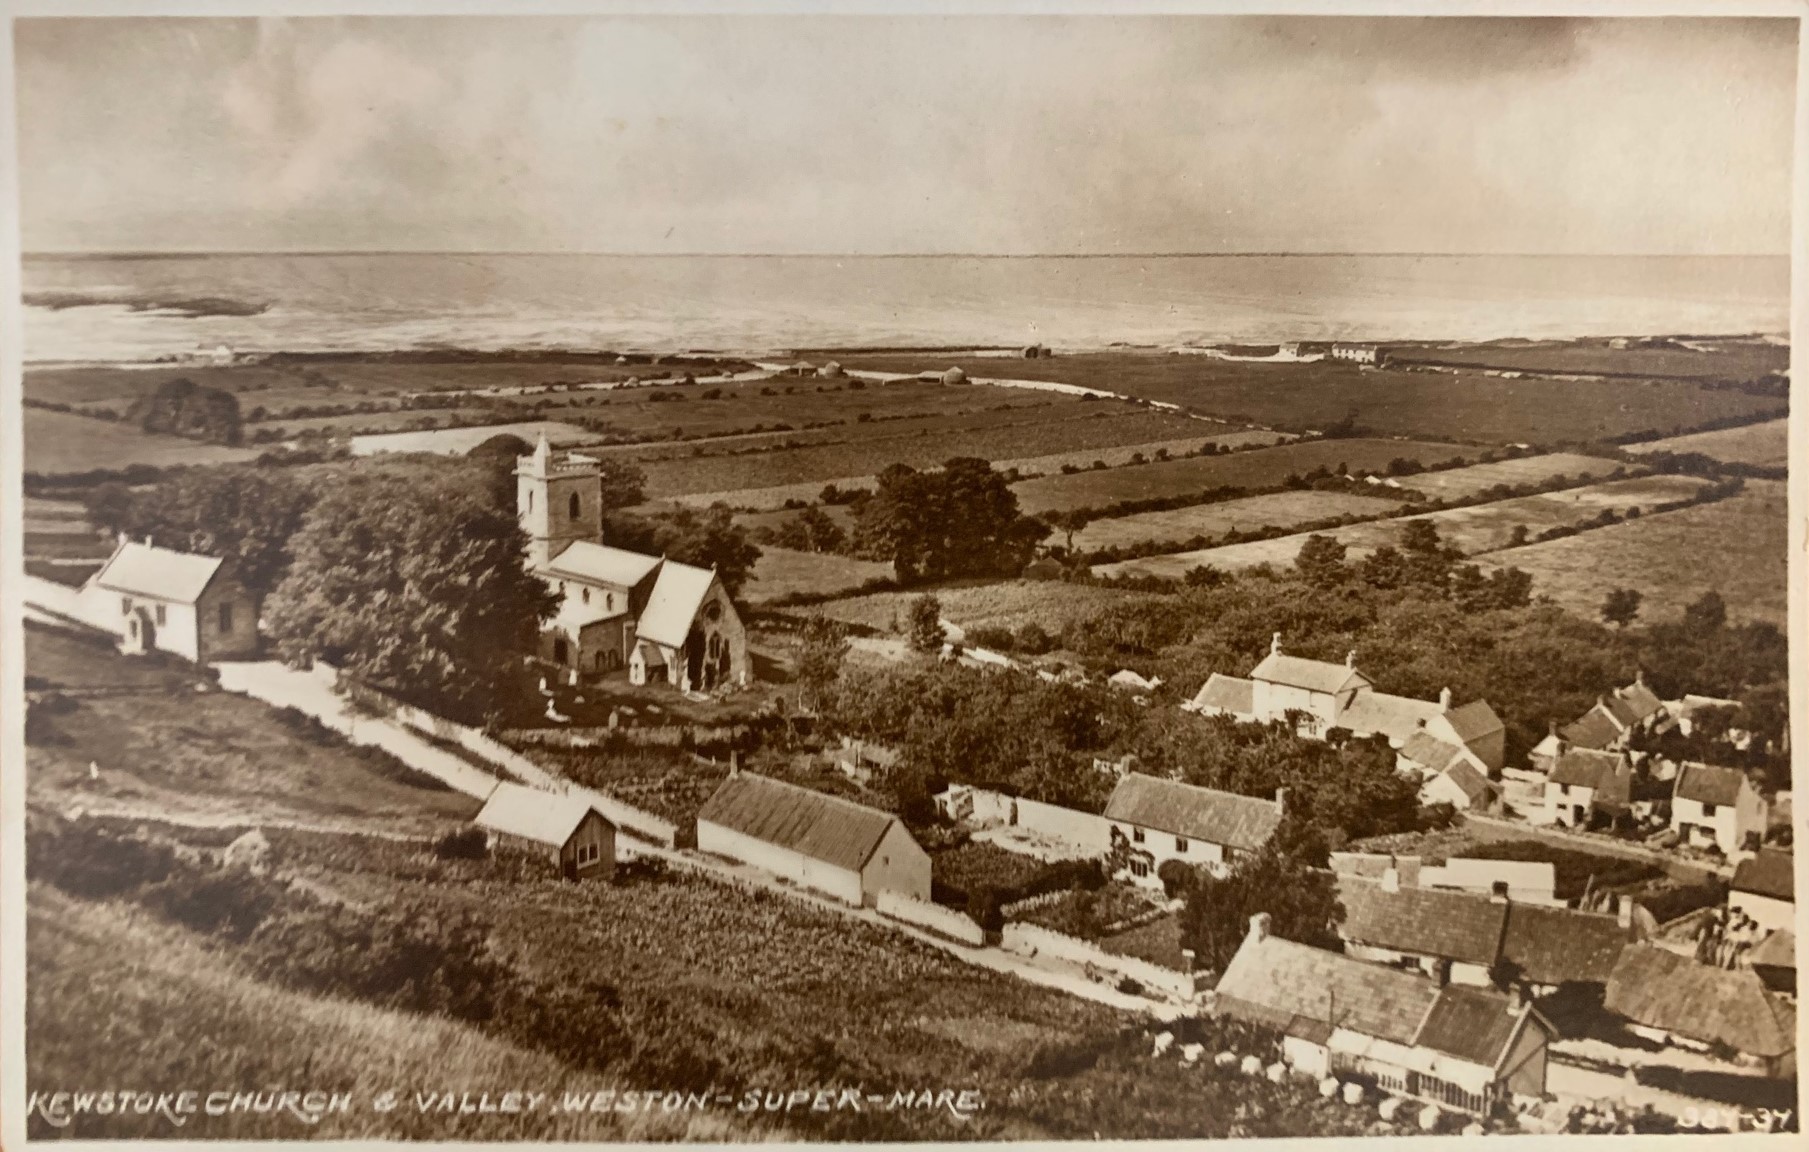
{"points": [[1594, 729], [814, 824], [1227, 693], [1471, 722], [678, 594], [1311, 675], [1457, 926], [1770, 873], [1278, 976], [545, 817], [159, 573], [600, 564], [1707, 784], [1226, 818]]}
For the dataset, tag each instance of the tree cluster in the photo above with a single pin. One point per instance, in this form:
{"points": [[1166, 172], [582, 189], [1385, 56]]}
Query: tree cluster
{"points": [[180, 407], [961, 520]]}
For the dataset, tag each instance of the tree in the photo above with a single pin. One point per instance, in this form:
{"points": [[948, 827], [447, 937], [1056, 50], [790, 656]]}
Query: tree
{"points": [[1302, 905], [812, 530], [1067, 521], [249, 516], [1707, 615], [923, 629], [419, 588], [181, 407], [962, 520], [822, 646], [1620, 606], [109, 507], [1321, 561], [710, 539]]}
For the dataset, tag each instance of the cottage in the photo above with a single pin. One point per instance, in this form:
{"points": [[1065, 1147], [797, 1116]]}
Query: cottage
{"points": [[847, 850], [654, 617], [1716, 808], [159, 599], [1764, 888], [1459, 785], [1471, 1049], [568, 829], [1674, 999], [1611, 723], [1587, 787], [1355, 353], [1317, 696], [1158, 820]]}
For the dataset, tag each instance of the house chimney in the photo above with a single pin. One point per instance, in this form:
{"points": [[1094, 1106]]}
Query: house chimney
{"points": [[1441, 972], [1601, 701], [1516, 998], [150, 541], [1281, 800], [1259, 926], [1391, 879], [1639, 677], [734, 763], [1275, 644], [1187, 959], [1444, 699], [1623, 911], [1498, 892], [1350, 659]]}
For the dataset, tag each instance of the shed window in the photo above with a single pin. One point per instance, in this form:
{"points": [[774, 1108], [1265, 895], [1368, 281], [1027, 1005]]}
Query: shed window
{"points": [[588, 853], [163, 615], [1180, 844], [226, 617]]}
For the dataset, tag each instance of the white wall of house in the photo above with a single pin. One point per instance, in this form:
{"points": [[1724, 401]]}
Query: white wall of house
{"points": [[1271, 701], [1165, 846], [173, 625], [1563, 800], [1767, 911], [842, 883], [899, 865], [1726, 826]]}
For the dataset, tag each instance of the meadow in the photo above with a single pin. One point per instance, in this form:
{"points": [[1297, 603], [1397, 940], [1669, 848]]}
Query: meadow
{"points": [[1255, 469], [1766, 443], [1738, 547], [1274, 510], [1467, 406], [1008, 604], [60, 442], [1467, 482], [1721, 359], [782, 572]]}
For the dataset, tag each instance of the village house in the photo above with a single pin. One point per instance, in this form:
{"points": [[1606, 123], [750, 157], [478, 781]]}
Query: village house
{"points": [[159, 599], [658, 619], [1716, 807], [838, 847], [1606, 727], [1429, 736], [569, 830], [1587, 786], [1156, 820], [1471, 1049], [1764, 888], [1674, 999], [1355, 353], [1458, 784], [1528, 881]]}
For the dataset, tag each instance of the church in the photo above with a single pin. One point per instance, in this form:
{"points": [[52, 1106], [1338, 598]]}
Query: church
{"points": [[658, 619]]}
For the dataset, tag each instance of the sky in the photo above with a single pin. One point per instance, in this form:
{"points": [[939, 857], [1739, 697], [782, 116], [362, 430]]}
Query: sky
{"points": [[868, 135]]}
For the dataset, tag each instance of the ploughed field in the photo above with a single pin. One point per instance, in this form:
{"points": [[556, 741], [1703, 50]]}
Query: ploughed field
{"points": [[1274, 510], [1767, 443]]}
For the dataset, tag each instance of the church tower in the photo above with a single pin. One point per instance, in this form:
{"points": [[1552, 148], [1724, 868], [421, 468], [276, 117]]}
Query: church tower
{"points": [[558, 501]]}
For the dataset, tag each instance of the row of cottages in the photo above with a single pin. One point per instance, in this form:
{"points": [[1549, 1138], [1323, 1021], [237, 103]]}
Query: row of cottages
{"points": [[1431, 737], [1672, 998], [1527, 881], [658, 619], [1711, 807], [1607, 727], [1480, 941], [161, 600], [835, 846], [580, 840], [1155, 820], [1471, 1049]]}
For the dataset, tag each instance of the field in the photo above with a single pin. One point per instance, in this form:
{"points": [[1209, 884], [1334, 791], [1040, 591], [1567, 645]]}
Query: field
{"points": [[1467, 406], [58, 442], [1463, 483], [1009, 604], [1726, 359], [1130, 453], [1255, 469], [161, 740], [1275, 510], [1737, 546], [1767, 443], [783, 572], [1478, 528], [459, 441]]}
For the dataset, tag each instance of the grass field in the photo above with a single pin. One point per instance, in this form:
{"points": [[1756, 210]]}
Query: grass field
{"points": [[1256, 469], [61, 442], [1467, 406], [1478, 528], [784, 572], [160, 744], [1009, 604], [1129, 453], [1764, 443], [1737, 547], [1463, 483], [1275, 510], [459, 441], [1724, 359]]}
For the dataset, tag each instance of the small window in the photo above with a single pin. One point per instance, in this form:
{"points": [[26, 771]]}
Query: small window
{"points": [[163, 615], [609, 601], [125, 605], [587, 595], [530, 499], [576, 505], [225, 617], [1708, 810], [1140, 867], [1136, 835], [560, 652], [1180, 844]]}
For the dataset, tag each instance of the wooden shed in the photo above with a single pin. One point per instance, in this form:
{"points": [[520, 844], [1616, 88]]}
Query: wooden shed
{"points": [[566, 829]]}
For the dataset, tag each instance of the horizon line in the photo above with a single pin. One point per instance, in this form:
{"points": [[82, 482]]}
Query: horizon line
{"points": [[178, 253]]}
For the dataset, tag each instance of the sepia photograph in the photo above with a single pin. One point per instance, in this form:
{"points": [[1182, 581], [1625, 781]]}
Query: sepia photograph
{"points": [[859, 576]]}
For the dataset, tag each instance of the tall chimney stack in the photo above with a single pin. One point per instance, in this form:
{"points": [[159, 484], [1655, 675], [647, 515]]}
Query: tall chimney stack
{"points": [[1444, 699], [1275, 644], [1350, 659], [1259, 926], [1281, 800]]}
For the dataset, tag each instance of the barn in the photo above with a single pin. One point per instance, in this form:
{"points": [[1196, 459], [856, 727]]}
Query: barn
{"points": [[564, 828], [838, 847]]}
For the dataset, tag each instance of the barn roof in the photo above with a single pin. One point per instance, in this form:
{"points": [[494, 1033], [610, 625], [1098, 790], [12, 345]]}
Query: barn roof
{"points": [[1707, 784], [160, 573], [1312, 675], [1770, 873], [814, 824], [1661, 989], [601, 564], [1470, 722], [1424, 921], [545, 817], [1397, 717], [1227, 693], [1242, 822]]}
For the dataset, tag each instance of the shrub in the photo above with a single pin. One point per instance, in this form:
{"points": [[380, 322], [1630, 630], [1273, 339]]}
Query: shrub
{"points": [[230, 902], [463, 844], [85, 860]]}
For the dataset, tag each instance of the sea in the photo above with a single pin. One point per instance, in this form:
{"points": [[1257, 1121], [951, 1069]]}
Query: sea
{"points": [[141, 308]]}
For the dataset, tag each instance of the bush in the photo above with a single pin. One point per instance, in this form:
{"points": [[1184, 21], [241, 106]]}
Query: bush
{"points": [[84, 860], [229, 902], [463, 844]]}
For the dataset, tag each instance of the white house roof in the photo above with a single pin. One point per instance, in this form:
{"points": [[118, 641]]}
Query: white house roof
{"points": [[1227, 693], [677, 595], [601, 564], [517, 810], [1478, 874], [1312, 675], [160, 573]]}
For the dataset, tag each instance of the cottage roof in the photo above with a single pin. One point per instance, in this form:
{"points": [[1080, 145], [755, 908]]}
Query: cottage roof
{"points": [[1396, 717], [1770, 873], [1473, 1024], [1312, 675], [1606, 772], [1661, 989], [1473, 783], [1471, 722], [1547, 945], [1423, 921], [1227, 693], [1777, 950], [160, 573], [1429, 752], [1373, 864], [1226, 818], [677, 595], [1707, 784], [546, 817], [1638, 701], [601, 564], [814, 824], [1593, 729]]}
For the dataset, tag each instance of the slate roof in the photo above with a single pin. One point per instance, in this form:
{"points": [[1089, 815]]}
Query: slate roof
{"points": [[1474, 784], [1226, 818], [1777, 950], [160, 573], [1471, 722], [1312, 675], [1593, 729], [1771, 873], [574, 614], [677, 595], [1660, 989], [1644, 701], [1707, 784], [1429, 752], [1397, 717], [814, 824], [1603, 771], [601, 564], [1229, 693], [1423, 921], [1473, 1024], [1548, 945], [546, 817]]}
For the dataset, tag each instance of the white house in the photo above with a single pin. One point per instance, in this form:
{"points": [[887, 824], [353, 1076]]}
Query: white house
{"points": [[1764, 888], [577, 837], [1585, 785], [1716, 807], [838, 847], [1613, 720], [1355, 353], [1157, 820], [1471, 1049], [1460, 785], [164, 600]]}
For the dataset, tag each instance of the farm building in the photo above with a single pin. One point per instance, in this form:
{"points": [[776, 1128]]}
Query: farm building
{"points": [[1466, 1048], [1161, 820], [1674, 999], [568, 830], [848, 850], [1764, 888], [1716, 807], [1528, 881], [1355, 353], [1586, 786], [657, 618], [159, 599], [1429, 735]]}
